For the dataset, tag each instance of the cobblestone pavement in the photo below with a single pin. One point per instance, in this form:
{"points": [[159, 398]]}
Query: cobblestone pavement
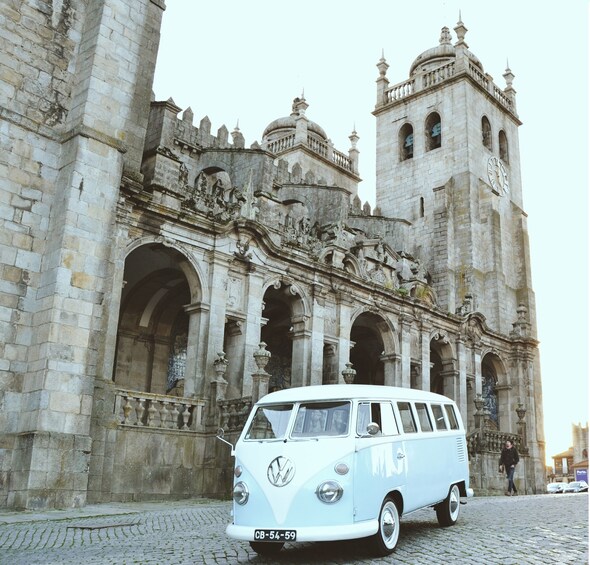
{"points": [[517, 530]]}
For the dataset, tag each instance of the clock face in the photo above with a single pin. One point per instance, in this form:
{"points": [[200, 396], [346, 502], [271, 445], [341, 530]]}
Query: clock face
{"points": [[497, 175]]}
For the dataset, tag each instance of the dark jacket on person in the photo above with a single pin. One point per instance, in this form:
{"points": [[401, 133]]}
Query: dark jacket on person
{"points": [[509, 457]]}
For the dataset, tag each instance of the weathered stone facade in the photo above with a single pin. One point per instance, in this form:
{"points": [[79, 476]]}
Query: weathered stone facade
{"points": [[157, 278]]}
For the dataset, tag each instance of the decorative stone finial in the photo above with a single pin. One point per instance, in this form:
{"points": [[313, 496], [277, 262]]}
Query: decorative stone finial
{"points": [[353, 138], [445, 36], [349, 373], [382, 65], [508, 76], [299, 106], [460, 30]]}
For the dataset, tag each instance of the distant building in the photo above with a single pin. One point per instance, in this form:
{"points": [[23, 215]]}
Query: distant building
{"points": [[580, 464], [572, 465], [157, 277]]}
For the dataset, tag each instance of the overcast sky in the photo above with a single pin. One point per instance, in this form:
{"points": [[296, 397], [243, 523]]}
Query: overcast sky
{"points": [[245, 61]]}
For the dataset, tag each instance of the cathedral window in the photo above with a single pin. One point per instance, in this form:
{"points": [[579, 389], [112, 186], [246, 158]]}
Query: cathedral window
{"points": [[406, 138], [433, 131], [486, 133], [503, 144]]}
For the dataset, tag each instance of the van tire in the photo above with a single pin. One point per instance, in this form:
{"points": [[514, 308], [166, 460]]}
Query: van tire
{"points": [[447, 512], [384, 541], [266, 547]]}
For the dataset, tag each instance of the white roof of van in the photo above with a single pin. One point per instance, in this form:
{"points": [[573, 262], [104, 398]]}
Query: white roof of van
{"points": [[345, 391]]}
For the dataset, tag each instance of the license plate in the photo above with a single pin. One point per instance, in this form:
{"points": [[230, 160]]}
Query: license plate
{"points": [[275, 535]]}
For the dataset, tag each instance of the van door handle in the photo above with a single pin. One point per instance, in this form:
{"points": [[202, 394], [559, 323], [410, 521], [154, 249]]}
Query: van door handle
{"points": [[400, 455]]}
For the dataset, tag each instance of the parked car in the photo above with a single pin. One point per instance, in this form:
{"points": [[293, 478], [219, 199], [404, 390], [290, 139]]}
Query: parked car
{"points": [[576, 486], [556, 488]]}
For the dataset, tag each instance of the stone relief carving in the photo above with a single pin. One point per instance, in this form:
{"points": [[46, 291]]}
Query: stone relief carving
{"points": [[214, 195], [234, 293]]}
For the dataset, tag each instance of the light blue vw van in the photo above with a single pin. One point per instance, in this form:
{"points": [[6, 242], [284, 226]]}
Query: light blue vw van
{"points": [[338, 462]]}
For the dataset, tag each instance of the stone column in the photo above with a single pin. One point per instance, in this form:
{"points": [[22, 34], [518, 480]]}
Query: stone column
{"points": [[389, 368], [193, 376], [461, 399], [405, 346], [300, 362], [344, 314], [317, 340], [213, 336], [425, 356], [254, 323], [477, 369]]}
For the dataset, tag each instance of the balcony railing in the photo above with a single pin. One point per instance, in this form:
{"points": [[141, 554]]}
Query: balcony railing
{"points": [[490, 441], [158, 411], [441, 74]]}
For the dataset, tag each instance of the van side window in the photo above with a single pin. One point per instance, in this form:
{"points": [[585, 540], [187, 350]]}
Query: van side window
{"points": [[405, 412], [423, 417], [439, 417], [389, 427], [379, 412], [451, 416], [363, 418]]}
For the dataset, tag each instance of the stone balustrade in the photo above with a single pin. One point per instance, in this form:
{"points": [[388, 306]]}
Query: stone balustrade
{"points": [[399, 91], [493, 441], [342, 160], [281, 144], [233, 413], [148, 410], [319, 147], [441, 74], [438, 75]]}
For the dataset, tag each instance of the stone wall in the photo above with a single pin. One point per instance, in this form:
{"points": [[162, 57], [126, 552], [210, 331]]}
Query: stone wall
{"points": [[69, 134]]}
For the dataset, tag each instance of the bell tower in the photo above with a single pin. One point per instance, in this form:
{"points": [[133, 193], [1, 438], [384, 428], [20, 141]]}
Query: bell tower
{"points": [[448, 162]]}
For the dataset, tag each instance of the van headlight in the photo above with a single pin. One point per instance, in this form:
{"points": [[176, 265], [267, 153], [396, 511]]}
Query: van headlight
{"points": [[240, 493], [329, 492]]}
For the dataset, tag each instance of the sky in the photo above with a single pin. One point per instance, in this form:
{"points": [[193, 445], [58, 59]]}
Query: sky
{"points": [[242, 63]]}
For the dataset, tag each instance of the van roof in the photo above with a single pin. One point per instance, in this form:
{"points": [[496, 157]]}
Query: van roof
{"points": [[345, 391]]}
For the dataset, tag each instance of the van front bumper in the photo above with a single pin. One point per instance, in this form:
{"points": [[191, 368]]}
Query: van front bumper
{"points": [[311, 533]]}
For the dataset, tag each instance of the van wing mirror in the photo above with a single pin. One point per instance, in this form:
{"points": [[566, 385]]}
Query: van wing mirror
{"points": [[220, 434], [373, 428]]}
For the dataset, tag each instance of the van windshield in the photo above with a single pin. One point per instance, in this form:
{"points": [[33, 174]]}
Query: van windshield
{"points": [[322, 419], [270, 422]]}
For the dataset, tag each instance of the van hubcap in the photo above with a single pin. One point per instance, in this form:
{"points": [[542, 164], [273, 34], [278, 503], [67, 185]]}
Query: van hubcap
{"points": [[387, 524]]}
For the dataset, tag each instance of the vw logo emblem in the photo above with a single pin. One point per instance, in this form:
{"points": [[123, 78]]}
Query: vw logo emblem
{"points": [[280, 471]]}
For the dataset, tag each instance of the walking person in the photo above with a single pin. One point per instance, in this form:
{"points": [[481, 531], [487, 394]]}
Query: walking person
{"points": [[508, 460]]}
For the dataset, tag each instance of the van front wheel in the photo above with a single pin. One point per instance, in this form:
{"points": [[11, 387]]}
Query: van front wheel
{"points": [[447, 512], [384, 541], [266, 547]]}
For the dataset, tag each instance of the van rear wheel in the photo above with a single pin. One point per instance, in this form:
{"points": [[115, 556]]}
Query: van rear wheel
{"points": [[266, 547], [384, 541], [447, 512]]}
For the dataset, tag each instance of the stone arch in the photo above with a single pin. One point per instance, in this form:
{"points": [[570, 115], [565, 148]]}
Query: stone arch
{"points": [[443, 370], [503, 147], [191, 268], [433, 131], [495, 389], [373, 347], [151, 351], [406, 142], [285, 315], [486, 133]]}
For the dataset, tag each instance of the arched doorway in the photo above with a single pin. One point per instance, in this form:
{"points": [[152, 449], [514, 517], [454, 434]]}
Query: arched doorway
{"points": [[443, 374], [490, 367], [282, 311], [368, 349], [153, 325]]}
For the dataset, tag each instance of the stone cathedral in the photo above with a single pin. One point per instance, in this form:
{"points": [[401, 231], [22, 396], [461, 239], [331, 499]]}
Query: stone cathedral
{"points": [[158, 277]]}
